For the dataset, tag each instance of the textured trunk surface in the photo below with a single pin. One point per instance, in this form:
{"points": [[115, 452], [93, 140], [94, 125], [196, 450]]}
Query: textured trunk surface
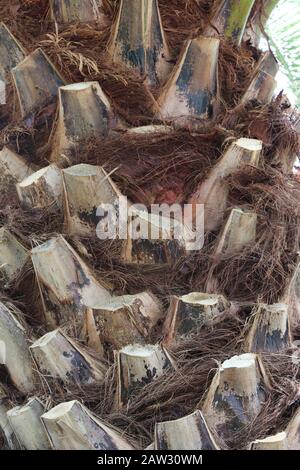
{"points": [[170, 102]]}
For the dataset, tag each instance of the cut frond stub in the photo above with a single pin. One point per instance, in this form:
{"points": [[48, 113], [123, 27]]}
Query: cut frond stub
{"points": [[213, 191], [75, 11], [230, 19], [293, 432], [14, 351], [258, 21], [57, 356], [36, 81], [270, 330], [66, 284], [239, 231], [13, 255], [124, 320], [189, 313], [276, 442], [8, 438], [41, 189], [192, 89], [71, 426], [138, 40], [27, 426], [84, 113], [11, 51], [86, 188], [188, 433], [236, 395], [268, 63], [13, 166], [261, 88], [139, 365], [153, 238]]}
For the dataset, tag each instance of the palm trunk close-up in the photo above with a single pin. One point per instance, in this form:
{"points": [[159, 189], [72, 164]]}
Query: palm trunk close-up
{"points": [[150, 227]]}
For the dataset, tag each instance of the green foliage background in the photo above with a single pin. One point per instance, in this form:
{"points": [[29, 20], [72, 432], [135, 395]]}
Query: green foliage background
{"points": [[283, 29]]}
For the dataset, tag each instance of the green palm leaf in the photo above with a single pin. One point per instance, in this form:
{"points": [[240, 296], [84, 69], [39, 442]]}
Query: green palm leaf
{"points": [[283, 29]]}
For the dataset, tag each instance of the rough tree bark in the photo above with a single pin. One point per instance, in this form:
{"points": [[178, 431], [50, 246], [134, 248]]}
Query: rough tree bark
{"points": [[139, 365], [188, 313], [14, 351], [66, 284], [138, 40], [213, 191], [36, 81], [189, 432], [84, 112], [189, 91], [270, 330], [41, 189], [86, 187], [71, 426], [57, 356], [27, 426]]}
